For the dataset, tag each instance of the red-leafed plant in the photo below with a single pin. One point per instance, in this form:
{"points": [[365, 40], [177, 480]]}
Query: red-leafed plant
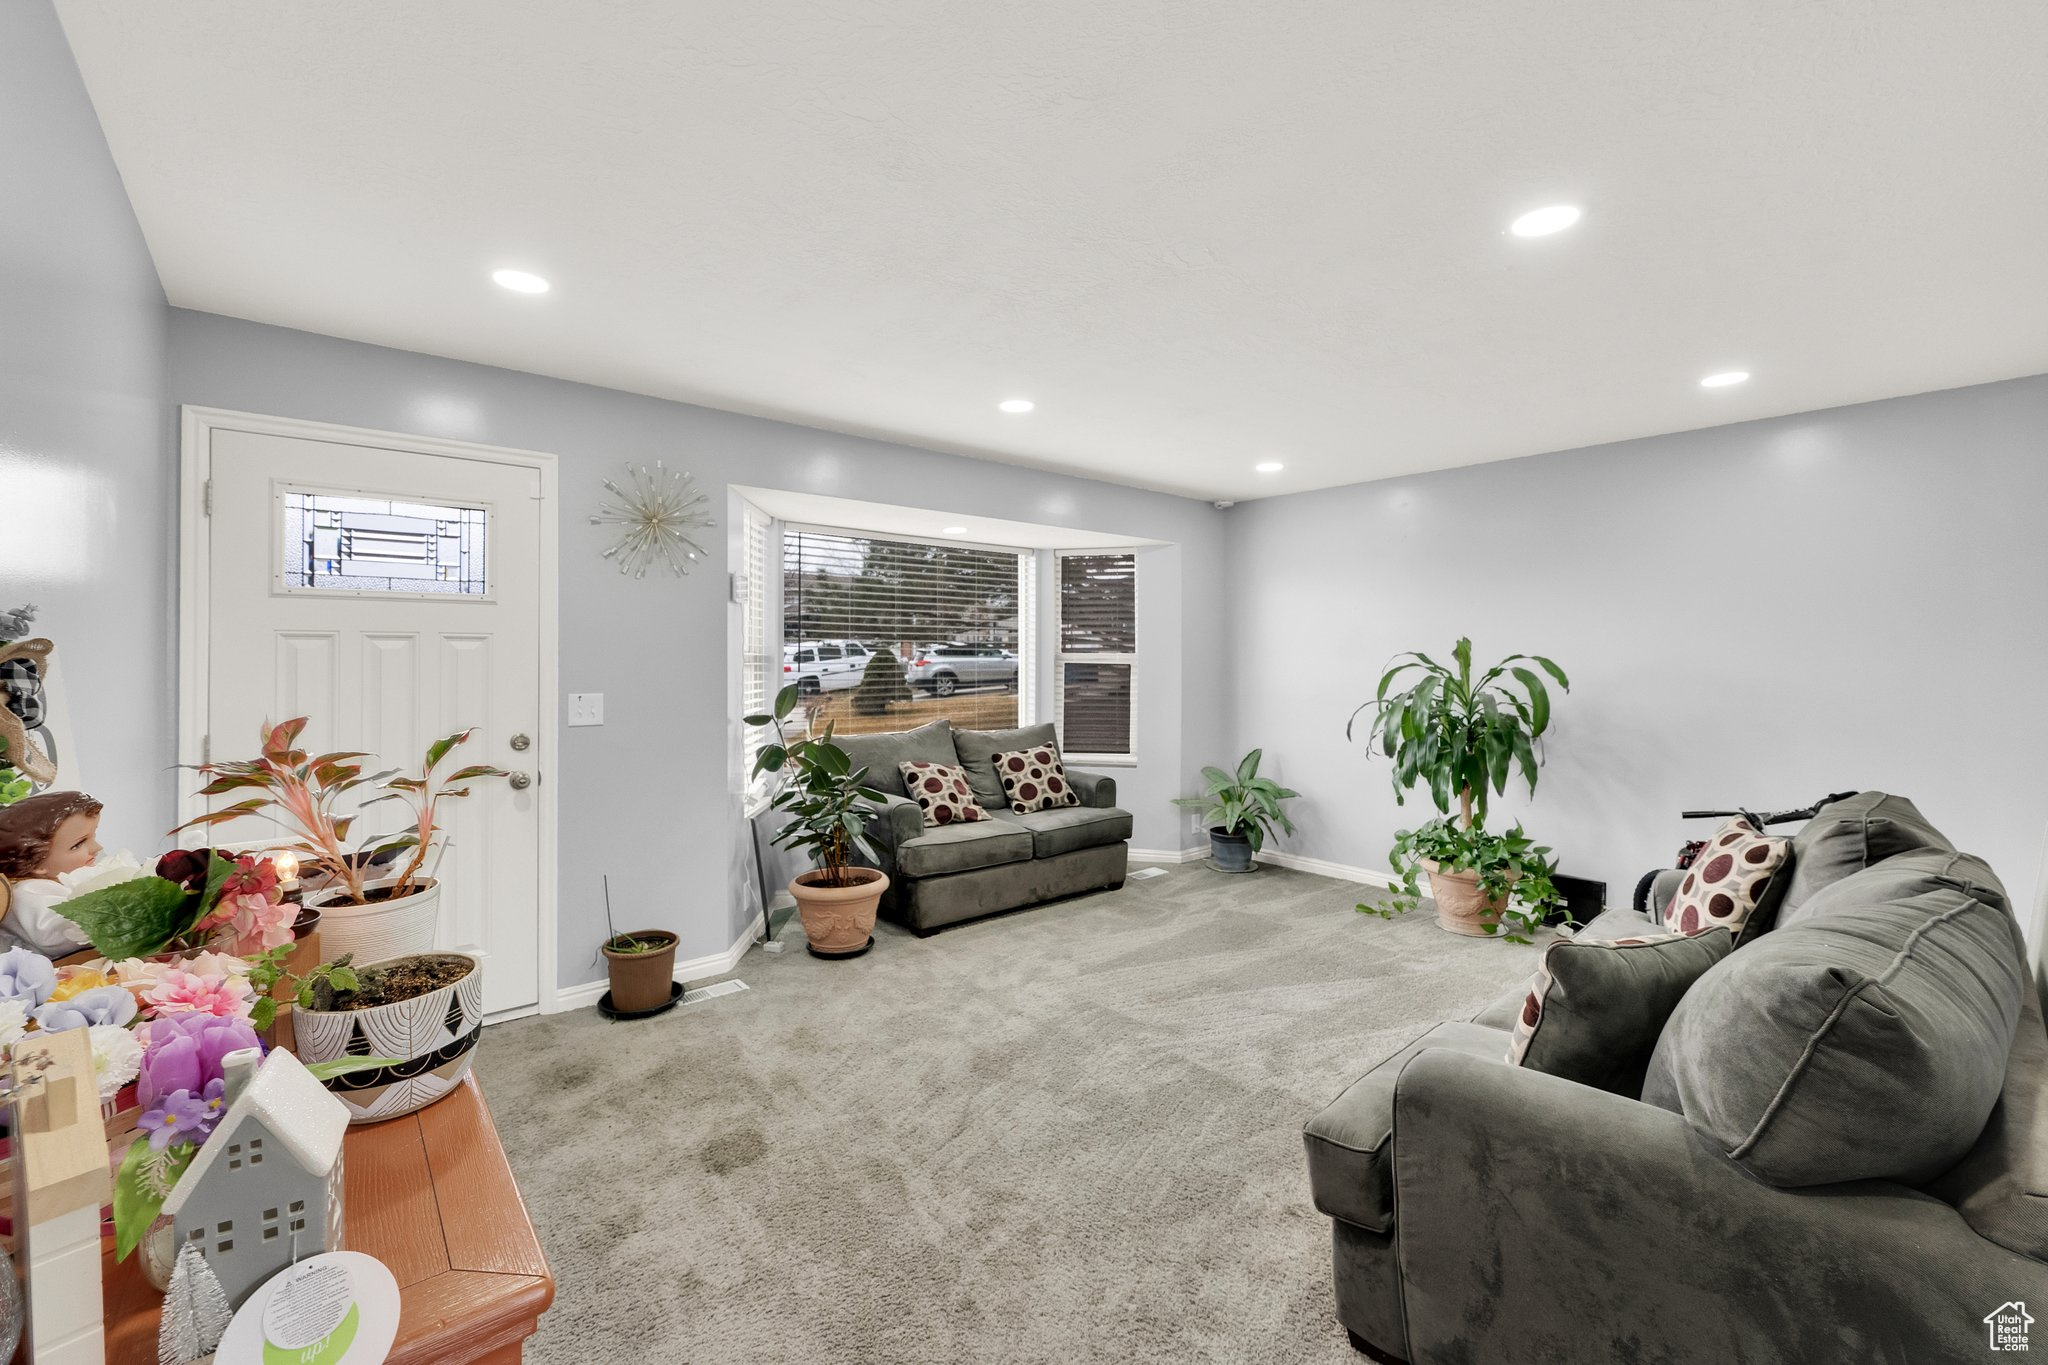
{"points": [[304, 793]]}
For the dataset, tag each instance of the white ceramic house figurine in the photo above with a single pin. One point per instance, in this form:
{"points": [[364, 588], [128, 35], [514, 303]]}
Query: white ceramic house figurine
{"points": [[61, 1179], [265, 1189]]}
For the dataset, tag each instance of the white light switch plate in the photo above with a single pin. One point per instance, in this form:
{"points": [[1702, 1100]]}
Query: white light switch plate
{"points": [[586, 708]]}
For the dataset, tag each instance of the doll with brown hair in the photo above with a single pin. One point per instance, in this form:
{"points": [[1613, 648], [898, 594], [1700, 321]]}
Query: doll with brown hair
{"points": [[42, 838]]}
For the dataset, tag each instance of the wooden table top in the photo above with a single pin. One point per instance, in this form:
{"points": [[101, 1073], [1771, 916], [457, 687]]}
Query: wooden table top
{"points": [[431, 1197]]}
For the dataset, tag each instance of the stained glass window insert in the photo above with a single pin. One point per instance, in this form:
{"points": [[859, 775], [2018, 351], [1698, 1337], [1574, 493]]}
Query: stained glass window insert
{"points": [[350, 543]]}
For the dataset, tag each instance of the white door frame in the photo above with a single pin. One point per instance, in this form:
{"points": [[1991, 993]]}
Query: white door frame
{"points": [[195, 557]]}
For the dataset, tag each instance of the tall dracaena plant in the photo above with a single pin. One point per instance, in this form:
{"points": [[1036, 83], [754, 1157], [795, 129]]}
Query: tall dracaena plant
{"points": [[1459, 735]]}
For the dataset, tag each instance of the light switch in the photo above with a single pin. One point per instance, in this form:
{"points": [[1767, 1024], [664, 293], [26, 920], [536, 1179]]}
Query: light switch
{"points": [[586, 708]]}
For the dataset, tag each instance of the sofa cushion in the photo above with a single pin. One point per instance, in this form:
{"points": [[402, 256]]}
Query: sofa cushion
{"points": [[941, 792], [1350, 1164], [1737, 872], [1906, 875], [1070, 827], [977, 750], [1035, 780], [2001, 1187], [1848, 836], [959, 848], [1618, 922], [884, 755], [1866, 1043], [1595, 1010]]}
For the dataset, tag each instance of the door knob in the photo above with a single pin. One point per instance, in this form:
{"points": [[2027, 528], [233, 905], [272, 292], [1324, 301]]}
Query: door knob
{"points": [[520, 781], [521, 743]]}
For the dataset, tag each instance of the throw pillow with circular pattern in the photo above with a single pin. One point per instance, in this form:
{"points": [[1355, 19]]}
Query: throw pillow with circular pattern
{"points": [[1730, 878], [1035, 779], [941, 790]]}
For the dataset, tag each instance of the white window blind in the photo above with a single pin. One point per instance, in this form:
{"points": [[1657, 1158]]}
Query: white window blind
{"points": [[757, 651], [880, 633], [1098, 652]]}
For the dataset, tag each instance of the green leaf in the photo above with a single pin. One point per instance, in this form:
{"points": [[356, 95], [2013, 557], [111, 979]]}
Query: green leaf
{"points": [[757, 720], [136, 1201], [343, 1066], [132, 919], [438, 750], [1249, 767], [785, 702], [1539, 700]]}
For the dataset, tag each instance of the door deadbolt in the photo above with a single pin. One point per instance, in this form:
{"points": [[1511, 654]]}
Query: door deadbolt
{"points": [[521, 743]]}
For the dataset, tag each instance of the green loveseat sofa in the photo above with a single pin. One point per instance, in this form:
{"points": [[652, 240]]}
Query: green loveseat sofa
{"points": [[945, 874], [1484, 1212]]}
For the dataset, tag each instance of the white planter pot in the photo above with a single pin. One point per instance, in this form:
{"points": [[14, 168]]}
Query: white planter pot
{"points": [[380, 930], [434, 1036]]}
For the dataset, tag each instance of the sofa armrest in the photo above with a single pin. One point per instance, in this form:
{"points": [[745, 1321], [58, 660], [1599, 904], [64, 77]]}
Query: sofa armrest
{"points": [[897, 821], [1097, 790], [1539, 1219]]}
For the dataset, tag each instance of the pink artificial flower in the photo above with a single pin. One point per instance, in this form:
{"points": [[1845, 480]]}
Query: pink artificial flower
{"points": [[258, 925], [252, 876], [183, 992]]}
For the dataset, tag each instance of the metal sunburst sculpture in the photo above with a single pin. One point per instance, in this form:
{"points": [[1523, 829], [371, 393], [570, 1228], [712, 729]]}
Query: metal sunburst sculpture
{"points": [[658, 508]]}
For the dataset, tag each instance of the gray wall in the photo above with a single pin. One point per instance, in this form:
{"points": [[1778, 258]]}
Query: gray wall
{"points": [[649, 797], [85, 433], [1753, 614]]}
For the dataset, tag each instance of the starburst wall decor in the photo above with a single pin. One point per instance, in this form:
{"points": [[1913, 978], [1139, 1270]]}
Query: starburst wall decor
{"points": [[659, 507]]}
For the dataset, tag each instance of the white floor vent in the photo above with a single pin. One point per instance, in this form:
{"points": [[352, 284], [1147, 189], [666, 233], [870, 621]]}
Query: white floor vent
{"points": [[1142, 873], [713, 992]]}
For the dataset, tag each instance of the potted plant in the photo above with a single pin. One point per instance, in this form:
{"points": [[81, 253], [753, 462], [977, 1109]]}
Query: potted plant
{"points": [[421, 1014], [363, 916], [1240, 809], [641, 966], [828, 805], [1461, 737]]}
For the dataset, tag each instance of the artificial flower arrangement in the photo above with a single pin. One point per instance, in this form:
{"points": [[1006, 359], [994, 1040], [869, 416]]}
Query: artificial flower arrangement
{"points": [[191, 956], [164, 1026]]}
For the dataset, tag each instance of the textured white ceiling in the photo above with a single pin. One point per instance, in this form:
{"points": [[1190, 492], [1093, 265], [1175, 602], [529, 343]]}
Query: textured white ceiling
{"points": [[1200, 233]]}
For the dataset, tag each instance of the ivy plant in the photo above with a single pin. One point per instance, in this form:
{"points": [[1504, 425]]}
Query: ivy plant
{"points": [[1513, 869]]}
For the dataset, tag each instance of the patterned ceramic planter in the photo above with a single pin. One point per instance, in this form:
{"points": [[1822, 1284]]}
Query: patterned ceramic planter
{"points": [[434, 1035], [1460, 906]]}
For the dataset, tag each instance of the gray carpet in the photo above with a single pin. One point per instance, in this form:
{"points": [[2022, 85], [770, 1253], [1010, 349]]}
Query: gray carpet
{"points": [[1068, 1134]]}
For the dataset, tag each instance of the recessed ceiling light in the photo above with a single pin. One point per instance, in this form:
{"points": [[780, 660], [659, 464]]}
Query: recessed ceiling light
{"points": [[1016, 405], [1544, 221], [1724, 379], [1269, 466], [520, 281], [954, 531]]}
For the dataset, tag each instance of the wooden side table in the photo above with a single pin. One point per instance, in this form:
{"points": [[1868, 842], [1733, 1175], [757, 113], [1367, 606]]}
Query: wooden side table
{"points": [[431, 1197]]}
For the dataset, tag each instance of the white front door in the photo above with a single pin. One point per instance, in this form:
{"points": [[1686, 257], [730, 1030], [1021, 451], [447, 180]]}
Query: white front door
{"points": [[393, 597]]}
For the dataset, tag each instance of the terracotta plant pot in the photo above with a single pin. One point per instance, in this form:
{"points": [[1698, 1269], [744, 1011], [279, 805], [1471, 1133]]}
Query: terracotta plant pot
{"points": [[433, 1036], [642, 981], [1460, 908], [839, 920]]}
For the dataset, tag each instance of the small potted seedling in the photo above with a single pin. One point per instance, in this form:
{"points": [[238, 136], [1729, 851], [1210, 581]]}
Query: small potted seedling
{"points": [[641, 965], [423, 1013]]}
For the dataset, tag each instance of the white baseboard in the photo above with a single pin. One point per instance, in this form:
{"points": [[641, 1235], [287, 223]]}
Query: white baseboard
{"points": [[1160, 855], [1343, 872], [695, 969]]}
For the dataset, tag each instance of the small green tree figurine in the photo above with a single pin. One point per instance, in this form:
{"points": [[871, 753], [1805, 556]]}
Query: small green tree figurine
{"points": [[882, 682]]}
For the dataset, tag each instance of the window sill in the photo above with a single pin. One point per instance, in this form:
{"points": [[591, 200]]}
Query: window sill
{"points": [[1099, 760]]}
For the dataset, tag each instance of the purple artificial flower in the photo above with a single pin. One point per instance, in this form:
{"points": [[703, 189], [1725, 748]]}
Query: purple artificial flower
{"points": [[184, 1116], [184, 1052], [100, 1005], [26, 975]]}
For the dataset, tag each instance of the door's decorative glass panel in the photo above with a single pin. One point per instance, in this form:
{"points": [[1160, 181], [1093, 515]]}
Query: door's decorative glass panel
{"points": [[352, 543]]}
